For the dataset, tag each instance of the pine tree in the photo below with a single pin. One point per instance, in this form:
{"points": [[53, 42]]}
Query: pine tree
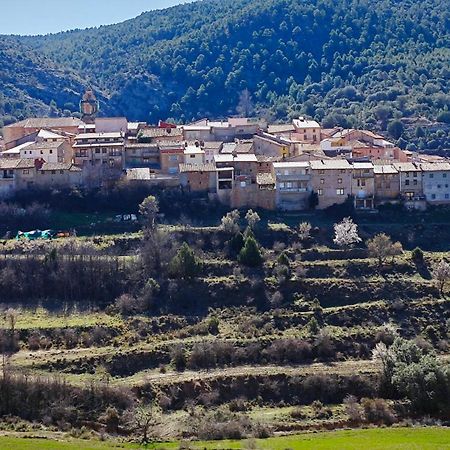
{"points": [[185, 264], [250, 255]]}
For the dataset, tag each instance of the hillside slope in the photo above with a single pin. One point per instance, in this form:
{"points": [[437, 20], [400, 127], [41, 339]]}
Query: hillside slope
{"points": [[345, 62]]}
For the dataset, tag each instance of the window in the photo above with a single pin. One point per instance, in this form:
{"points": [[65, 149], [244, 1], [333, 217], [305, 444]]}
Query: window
{"points": [[406, 182], [340, 191], [322, 181], [97, 150], [433, 196], [446, 196], [415, 182], [319, 191], [415, 174], [53, 172], [321, 172], [25, 171], [61, 172], [431, 175], [103, 150], [51, 151], [342, 170], [439, 186], [444, 175], [339, 180], [407, 174], [191, 156]]}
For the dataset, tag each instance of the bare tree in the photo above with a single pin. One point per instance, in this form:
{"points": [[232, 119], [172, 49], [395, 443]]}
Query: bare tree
{"points": [[441, 274], [142, 419], [381, 247], [230, 222], [346, 233], [245, 105], [252, 218], [304, 231]]}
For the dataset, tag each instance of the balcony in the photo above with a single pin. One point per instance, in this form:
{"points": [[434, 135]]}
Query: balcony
{"points": [[292, 190]]}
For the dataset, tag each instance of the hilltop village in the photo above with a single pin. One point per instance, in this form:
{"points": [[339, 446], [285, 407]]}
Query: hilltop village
{"points": [[241, 162]]}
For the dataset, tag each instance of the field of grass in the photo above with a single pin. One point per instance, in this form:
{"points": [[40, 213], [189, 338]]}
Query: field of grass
{"points": [[369, 439], [44, 443], [41, 318]]}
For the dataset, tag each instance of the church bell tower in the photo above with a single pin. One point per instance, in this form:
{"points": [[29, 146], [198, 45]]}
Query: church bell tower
{"points": [[89, 106]]}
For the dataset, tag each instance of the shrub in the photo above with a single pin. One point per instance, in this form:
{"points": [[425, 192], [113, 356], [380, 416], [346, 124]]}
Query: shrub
{"points": [[353, 409], [178, 358], [127, 304], [252, 218], [417, 255], [250, 255], [378, 411], [213, 325], [230, 222], [185, 264], [237, 242]]}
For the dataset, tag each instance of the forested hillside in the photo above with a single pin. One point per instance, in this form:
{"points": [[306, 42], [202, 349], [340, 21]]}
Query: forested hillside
{"points": [[346, 62]]}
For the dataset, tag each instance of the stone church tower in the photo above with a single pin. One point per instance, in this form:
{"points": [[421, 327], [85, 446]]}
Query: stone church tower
{"points": [[89, 106]]}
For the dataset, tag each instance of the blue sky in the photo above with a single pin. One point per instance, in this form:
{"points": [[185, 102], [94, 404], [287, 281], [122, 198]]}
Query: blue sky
{"points": [[50, 16]]}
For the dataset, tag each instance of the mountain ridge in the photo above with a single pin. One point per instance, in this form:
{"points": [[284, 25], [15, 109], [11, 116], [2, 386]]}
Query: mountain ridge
{"points": [[345, 62]]}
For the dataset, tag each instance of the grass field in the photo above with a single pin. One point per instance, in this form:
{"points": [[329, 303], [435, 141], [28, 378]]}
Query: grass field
{"points": [[432, 438]]}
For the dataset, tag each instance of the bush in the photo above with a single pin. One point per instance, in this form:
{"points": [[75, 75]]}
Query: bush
{"points": [[378, 411], [185, 264], [250, 255], [417, 255], [178, 358]]}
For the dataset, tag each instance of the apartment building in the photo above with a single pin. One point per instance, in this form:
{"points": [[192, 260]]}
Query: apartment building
{"points": [[198, 177], [363, 185], [332, 181], [142, 155], [436, 182], [387, 183], [171, 155], [99, 149], [293, 185], [54, 152], [410, 177], [306, 130]]}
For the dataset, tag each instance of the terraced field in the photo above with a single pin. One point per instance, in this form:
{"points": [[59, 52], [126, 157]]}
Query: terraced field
{"points": [[272, 354]]}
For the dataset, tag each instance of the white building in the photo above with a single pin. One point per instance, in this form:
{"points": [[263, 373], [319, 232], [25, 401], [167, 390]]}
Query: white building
{"points": [[436, 182], [194, 155]]}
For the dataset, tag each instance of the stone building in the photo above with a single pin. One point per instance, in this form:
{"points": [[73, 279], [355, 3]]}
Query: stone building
{"points": [[293, 188], [332, 181], [387, 183]]}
